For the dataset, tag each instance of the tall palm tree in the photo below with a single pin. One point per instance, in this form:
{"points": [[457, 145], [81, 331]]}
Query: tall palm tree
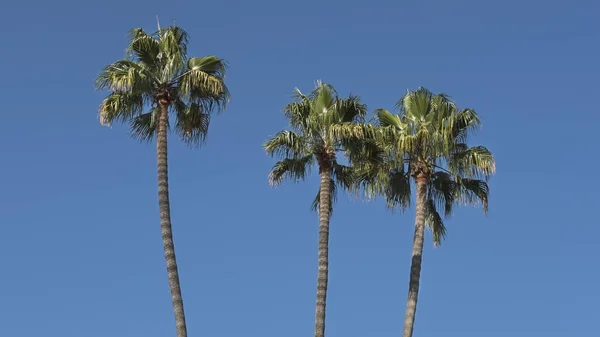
{"points": [[315, 120], [158, 80], [426, 141]]}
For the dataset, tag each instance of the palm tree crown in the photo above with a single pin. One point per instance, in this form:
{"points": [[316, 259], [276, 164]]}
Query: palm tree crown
{"points": [[159, 71], [427, 139], [315, 120]]}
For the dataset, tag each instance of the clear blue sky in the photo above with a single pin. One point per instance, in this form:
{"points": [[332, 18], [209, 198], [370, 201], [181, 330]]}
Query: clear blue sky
{"points": [[80, 246]]}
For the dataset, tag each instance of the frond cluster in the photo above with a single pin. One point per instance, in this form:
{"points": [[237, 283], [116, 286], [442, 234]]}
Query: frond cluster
{"points": [[158, 69]]}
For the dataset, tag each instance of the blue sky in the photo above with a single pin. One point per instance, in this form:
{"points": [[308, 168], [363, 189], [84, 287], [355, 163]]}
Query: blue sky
{"points": [[80, 245]]}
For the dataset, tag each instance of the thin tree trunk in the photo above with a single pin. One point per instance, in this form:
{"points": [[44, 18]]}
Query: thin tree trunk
{"points": [[165, 220], [324, 209], [417, 253]]}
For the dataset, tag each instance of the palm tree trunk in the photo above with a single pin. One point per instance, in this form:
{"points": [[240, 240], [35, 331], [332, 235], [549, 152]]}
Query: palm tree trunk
{"points": [[165, 220], [417, 253], [322, 276]]}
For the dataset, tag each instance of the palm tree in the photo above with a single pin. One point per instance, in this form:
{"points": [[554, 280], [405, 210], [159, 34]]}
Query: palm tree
{"points": [[158, 75], [316, 119], [425, 142]]}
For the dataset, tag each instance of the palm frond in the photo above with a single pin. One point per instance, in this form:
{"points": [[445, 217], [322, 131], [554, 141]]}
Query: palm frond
{"points": [[173, 42], [474, 162], [143, 126], [210, 65], [347, 132], [287, 144], [415, 105], [203, 82], [350, 110], [458, 125], [473, 192], [442, 190], [292, 168], [121, 106], [397, 190], [298, 114], [386, 118], [344, 175], [192, 122], [323, 105], [435, 223], [124, 75], [145, 48]]}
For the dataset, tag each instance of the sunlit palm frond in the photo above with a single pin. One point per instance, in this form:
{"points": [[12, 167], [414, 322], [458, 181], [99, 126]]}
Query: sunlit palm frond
{"points": [[415, 105], [474, 162], [125, 75], [458, 125], [211, 65], [292, 168], [386, 118], [298, 113], [347, 133], [287, 144], [173, 42], [203, 82], [146, 49], [323, 106], [120, 106]]}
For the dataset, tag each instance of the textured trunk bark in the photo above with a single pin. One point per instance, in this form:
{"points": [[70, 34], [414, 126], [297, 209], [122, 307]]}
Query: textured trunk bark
{"points": [[417, 253], [322, 278], [165, 220]]}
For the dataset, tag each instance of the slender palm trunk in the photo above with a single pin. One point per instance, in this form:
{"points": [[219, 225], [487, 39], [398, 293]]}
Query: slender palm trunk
{"points": [[324, 207], [165, 220], [417, 253]]}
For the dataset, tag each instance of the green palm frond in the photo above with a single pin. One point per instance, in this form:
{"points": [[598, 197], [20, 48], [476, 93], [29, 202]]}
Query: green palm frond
{"points": [[442, 190], [292, 168], [298, 114], [143, 126], [473, 192], [192, 122], [458, 124], [203, 82], [398, 191], [146, 49], [347, 133], [173, 46], [386, 118], [476, 162], [350, 110], [435, 223], [120, 106], [124, 75], [287, 144], [416, 105]]}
